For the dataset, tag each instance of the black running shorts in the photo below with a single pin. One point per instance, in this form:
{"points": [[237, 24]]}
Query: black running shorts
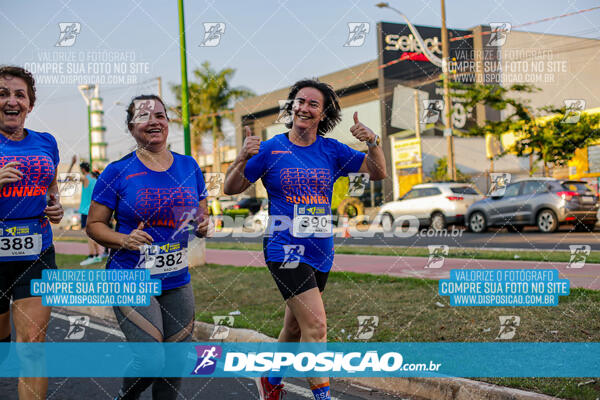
{"points": [[293, 281], [16, 276]]}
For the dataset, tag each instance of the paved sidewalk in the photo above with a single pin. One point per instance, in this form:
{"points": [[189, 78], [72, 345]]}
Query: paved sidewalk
{"points": [[587, 277]]}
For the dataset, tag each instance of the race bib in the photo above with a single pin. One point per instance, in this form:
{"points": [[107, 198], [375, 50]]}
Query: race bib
{"points": [[20, 241], [164, 257], [312, 220]]}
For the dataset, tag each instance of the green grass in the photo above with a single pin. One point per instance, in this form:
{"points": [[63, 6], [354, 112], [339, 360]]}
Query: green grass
{"points": [[523, 255], [407, 312]]}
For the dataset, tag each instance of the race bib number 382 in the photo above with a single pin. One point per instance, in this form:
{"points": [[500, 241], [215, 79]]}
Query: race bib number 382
{"points": [[162, 258], [20, 241], [312, 220]]}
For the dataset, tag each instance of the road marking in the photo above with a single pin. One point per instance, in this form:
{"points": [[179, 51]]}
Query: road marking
{"points": [[93, 325]]}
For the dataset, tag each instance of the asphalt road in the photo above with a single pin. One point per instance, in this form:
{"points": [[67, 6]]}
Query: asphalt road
{"points": [[192, 388], [499, 239]]}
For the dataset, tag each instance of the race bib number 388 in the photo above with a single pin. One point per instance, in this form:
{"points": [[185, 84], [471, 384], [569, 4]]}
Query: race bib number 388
{"points": [[312, 220], [20, 241]]}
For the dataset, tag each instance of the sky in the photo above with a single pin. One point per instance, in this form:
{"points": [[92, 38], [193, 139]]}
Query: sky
{"points": [[270, 44]]}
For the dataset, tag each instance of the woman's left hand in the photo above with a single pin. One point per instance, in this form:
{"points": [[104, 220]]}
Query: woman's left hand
{"points": [[54, 210], [361, 131]]}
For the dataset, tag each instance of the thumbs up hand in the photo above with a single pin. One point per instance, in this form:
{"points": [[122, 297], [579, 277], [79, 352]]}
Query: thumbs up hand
{"points": [[251, 144], [361, 131]]}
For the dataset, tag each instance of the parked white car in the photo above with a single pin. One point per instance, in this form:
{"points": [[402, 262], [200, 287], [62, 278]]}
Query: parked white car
{"points": [[433, 204], [261, 218]]}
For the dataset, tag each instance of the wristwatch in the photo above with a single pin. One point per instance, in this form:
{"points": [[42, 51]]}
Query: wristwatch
{"points": [[375, 142]]}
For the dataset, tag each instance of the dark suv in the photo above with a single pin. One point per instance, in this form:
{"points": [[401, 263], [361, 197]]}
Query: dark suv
{"points": [[543, 202]]}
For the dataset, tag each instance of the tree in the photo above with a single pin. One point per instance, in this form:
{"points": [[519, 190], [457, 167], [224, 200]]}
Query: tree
{"points": [[546, 133], [440, 172], [210, 101]]}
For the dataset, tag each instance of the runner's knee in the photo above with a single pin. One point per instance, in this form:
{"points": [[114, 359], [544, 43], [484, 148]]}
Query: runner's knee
{"points": [[315, 330], [151, 363]]}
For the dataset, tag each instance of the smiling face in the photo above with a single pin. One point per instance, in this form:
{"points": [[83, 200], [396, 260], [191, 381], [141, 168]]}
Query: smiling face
{"points": [[149, 125], [307, 110], [14, 104]]}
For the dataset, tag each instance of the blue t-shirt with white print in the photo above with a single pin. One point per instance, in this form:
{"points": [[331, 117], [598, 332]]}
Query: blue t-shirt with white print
{"points": [[299, 181], [24, 201], [163, 201]]}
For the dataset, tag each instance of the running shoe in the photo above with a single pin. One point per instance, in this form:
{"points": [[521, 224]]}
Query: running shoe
{"points": [[89, 260], [268, 391]]}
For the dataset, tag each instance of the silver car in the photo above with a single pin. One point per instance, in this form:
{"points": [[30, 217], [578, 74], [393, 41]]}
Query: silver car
{"points": [[544, 202], [433, 204]]}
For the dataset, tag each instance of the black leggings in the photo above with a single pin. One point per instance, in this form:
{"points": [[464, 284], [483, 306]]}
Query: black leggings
{"points": [[168, 318]]}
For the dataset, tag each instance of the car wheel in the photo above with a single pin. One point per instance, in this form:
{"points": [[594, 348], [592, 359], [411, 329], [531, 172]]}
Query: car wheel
{"points": [[387, 222], [547, 221], [477, 222], [438, 221]]}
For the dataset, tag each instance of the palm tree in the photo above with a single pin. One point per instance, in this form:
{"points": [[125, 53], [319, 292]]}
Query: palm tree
{"points": [[210, 101]]}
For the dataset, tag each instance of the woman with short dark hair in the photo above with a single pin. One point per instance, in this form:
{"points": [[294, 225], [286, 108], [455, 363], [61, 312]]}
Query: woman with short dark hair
{"points": [[29, 202], [298, 168]]}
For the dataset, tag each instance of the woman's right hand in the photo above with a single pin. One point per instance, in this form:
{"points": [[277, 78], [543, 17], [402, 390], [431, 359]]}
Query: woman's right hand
{"points": [[137, 238], [251, 144], [10, 174]]}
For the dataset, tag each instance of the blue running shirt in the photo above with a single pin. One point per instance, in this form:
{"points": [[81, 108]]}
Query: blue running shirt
{"points": [[299, 181], [23, 201], [162, 200]]}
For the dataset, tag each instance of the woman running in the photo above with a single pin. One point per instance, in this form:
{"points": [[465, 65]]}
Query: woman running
{"points": [[29, 201], [154, 193], [298, 169]]}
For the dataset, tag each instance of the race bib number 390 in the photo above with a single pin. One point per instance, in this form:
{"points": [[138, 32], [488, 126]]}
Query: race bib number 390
{"points": [[21, 241], [311, 220], [162, 258]]}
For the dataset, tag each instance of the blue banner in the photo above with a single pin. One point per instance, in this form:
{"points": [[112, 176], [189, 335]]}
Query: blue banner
{"points": [[96, 287], [302, 359], [503, 287]]}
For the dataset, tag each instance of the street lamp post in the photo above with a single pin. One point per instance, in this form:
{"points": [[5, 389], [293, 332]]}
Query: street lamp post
{"points": [[443, 63], [185, 114], [447, 103]]}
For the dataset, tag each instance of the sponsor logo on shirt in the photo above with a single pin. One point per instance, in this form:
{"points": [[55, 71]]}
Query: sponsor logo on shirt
{"points": [[38, 172], [305, 185], [134, 175], [156, 205]]}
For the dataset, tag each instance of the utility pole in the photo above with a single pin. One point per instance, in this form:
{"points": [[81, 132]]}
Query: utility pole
{"points": [[159, 79], [185, 113], [447, 103], [418, 134]]}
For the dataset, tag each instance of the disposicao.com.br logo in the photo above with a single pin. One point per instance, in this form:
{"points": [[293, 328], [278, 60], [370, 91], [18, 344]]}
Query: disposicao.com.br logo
{"points": [[293, 362]]}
